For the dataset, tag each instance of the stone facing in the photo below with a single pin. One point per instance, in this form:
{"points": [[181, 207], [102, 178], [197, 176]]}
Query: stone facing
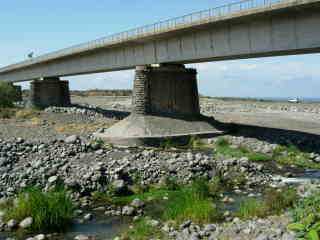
{"points": [[49, 92], [169, 89]]}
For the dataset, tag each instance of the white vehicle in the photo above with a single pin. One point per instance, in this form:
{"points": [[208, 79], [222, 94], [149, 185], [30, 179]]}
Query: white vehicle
{"points": [[294, 100]]}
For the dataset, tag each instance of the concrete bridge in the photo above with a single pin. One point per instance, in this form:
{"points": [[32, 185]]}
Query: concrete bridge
{"points": [[248, 29]]}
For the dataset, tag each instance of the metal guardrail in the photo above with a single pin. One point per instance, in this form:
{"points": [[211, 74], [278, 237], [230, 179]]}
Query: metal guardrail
{"points": [[152, 29]]}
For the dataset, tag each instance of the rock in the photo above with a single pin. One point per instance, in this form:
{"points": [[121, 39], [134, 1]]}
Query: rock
{"points": [[209, 228], [88, 217], [26, 223], [137, 203], [119, 186], [12, 224], [186, 224], [52, 179], [127, 211], [82, 237], [40, 237], [153, 223], [71, 139]]}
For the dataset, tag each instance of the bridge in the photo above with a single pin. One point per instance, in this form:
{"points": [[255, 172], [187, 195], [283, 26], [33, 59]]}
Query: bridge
{"points": [[163, 86]]}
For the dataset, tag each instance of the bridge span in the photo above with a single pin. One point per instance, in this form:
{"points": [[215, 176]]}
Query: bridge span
{"points": [[251, 28], [165, 94]]}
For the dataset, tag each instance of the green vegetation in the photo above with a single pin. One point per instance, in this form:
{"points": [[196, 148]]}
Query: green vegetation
{"points": [[306, 215], [187, 202], [7, 95], [284, 155], [192, 203], [194, 142], [251, 208], [142, 230], [223, 147], [50, 211], [291, 155], [274, 202]]}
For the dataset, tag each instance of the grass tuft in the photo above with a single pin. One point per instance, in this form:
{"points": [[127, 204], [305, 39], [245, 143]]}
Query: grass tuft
{"points": [[142, 230], [274, 202], [192, 203], [51, 211]]}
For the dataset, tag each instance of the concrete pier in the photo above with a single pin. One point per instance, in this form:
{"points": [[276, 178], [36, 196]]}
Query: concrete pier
{"points": [[18, 93], [166, 90], [165, 104], [49, 92]]}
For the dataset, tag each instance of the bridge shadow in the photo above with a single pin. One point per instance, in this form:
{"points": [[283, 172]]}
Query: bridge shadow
{"points": [[306, 142]]}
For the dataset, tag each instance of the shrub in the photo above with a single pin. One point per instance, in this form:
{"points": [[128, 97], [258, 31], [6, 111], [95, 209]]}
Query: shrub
{"points": [[306, 216], [50, 211], [7, 95]]}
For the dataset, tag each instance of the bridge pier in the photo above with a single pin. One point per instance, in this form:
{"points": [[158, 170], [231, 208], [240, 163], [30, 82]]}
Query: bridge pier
{"points": [[165, 105], [49, 92], [18, 93]]}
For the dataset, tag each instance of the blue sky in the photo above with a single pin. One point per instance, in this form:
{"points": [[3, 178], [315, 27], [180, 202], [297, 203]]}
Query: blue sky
{"points": [[45, 26]]}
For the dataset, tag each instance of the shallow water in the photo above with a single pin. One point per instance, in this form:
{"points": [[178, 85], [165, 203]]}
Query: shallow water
{"points": [[103, 228], [299, 177]]}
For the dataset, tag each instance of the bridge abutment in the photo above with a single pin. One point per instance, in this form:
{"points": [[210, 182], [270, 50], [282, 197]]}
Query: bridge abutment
{"points": [[49, 92], [165, 105]]}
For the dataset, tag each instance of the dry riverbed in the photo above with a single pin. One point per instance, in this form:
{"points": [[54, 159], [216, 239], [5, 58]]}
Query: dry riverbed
{"points": [[217, 188]]}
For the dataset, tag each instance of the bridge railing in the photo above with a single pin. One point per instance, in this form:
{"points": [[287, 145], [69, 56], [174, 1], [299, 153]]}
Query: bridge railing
{"points": [[159, 27]]}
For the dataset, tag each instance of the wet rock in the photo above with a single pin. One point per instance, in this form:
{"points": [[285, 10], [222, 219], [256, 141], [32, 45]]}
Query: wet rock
{"points": [[128, 210], [88, 217], [26, 223], [137, 203], [12, 224]]}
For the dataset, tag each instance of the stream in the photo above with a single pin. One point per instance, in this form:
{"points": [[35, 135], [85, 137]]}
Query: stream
{"points": [[102, 228]]}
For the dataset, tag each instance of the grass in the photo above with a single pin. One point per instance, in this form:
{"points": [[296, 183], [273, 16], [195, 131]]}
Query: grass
{"points": [[223, 147], [51, 211], [291, 155], [187, 202], [142, 230], [284, 155], [274, 202], [193, 203], [251, 207], [194, 142]]}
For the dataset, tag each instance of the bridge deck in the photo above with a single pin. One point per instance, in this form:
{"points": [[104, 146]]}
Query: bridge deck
{"points": [[193, 20]]}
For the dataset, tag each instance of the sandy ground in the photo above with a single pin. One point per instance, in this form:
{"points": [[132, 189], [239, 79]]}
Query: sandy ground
{"points": [[299, 117]]}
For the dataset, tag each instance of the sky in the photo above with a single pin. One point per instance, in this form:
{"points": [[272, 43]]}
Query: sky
{"points": [[44, 26]]}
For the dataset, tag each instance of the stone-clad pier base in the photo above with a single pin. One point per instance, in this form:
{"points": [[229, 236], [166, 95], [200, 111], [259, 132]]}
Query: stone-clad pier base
{"points": [[165, 105], [49, 92]]}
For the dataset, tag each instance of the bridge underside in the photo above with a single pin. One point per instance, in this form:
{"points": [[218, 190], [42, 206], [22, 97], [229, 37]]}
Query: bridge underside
{"points": [[286, 29], [165, 105]]}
